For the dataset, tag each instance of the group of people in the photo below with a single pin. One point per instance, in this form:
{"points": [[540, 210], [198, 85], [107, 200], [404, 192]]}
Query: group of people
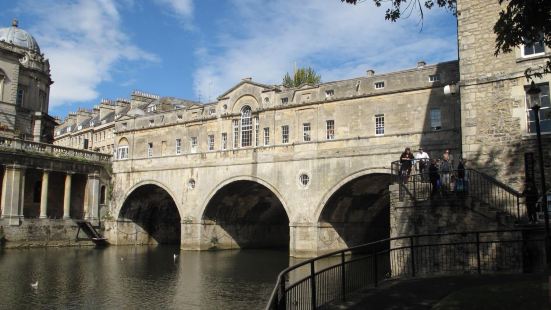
{"points": [[440, 172]]}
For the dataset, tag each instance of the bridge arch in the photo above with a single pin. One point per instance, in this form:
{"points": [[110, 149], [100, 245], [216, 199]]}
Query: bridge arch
{"points": [[356, 210], [149, 214], [245, 212]]}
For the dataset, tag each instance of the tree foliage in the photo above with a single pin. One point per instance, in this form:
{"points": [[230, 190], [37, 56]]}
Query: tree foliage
{"points": [[520, 22], [300, 77]]}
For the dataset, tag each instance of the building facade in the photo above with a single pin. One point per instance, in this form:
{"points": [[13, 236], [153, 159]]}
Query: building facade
{"points": [[24, 87]]}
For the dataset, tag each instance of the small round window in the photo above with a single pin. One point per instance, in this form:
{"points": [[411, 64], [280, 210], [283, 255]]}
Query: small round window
{"points": [[225, 107], [304, 179], [191, 184]]}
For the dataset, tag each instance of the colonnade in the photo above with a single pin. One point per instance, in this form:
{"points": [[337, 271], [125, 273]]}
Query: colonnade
{"points": [[12, 200]]}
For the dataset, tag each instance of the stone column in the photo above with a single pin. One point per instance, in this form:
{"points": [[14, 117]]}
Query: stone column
{"points": [[67, 196], [91, 209], [4, 177], [303, 240], [44, 194], [13, 190]]}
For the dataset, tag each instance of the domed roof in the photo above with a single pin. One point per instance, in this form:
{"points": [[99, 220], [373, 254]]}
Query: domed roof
{"points": [[18, 37]]}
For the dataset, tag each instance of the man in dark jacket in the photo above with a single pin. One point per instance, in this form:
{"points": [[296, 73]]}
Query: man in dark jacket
{"points": [[434, 176], [531, 194]]}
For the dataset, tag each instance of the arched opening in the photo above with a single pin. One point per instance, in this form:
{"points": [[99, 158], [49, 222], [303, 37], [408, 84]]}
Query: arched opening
{"points": [[149, 215], [245, 214], [358, 212], [102, 195]]}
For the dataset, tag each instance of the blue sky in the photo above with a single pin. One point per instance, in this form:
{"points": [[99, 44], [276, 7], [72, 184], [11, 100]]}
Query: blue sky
{"points": [[197, 49]]}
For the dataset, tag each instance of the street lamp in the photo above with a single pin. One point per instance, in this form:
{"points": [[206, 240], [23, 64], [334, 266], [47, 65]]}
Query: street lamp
{"points": [[534, 96]]}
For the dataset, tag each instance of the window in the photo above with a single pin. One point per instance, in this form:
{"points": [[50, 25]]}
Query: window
{"points": [[304, 179], [212, 111], [37, 190], [42, 99], [211, 142], [178, 146], [379, 85], [150, 149], [20, 95], [124, 125], [435, 119], [284, 100], [329, 93], [533, 48], [266, 100], [306, 132], [122, 152], [266, 136], [544, 113], [285, 134], [434, 77], [193, 144], [330, 129], [235, 133], [380, 124], [151, 122], [224, 139], [256, 129], [246, 127], [102, 196], [180, 116]]}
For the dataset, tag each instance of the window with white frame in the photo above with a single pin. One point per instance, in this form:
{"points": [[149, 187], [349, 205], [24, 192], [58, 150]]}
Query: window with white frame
{"points": [[235, 133], [256, 129], [246, 127], [284, 100], [379, 85], [306, 136], [285, 134], [224, 144], [193, 144], [380, 124], [266, 136], [544, 112], [178, 146], [434, 77], [211, 142], [122, 149], [435, 119], [329, 93], [151, 122], [533, 48], [150, 149], [330, 129]]}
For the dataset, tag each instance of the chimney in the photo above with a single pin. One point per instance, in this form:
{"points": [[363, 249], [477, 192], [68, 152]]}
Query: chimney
{"points": [[82, 115], [104, 109], [421, 64], [120, 106], [370, 73], [139, 98]]}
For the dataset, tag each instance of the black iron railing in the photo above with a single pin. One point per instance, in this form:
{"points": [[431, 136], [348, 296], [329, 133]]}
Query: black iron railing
{"points": [[465, 183], [331, 278]]}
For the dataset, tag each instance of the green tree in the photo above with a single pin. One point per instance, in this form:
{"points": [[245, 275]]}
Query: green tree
{"points": [[300, 77], [520, 22]]}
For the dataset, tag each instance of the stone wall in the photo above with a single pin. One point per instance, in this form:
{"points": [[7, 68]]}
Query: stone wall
{"points": [[40, 233]]}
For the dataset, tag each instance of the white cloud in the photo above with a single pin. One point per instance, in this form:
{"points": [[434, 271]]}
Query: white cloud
{"points": [[183, 8], [338, 40], [84, 41]]}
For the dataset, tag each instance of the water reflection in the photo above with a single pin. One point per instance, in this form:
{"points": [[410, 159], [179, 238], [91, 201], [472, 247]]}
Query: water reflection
{"points": [[132, 277]]}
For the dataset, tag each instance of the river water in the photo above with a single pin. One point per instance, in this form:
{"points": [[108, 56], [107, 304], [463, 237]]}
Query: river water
{"points": [[138, 277]]}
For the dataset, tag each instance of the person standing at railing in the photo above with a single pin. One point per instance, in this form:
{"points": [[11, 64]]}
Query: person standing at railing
{"points": [[461, 182], [531, 195], [434, 177], [406, 161], [422, 160], [446, 167]]}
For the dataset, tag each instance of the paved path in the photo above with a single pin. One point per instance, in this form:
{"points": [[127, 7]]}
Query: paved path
{"points": [[459, 292]]}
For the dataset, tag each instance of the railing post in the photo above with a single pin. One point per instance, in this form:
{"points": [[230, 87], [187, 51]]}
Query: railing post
{"points": [[412, 256], [343, 276], [478, 253], [375, 270], [518, 208], [313, 284], [282, 303]]}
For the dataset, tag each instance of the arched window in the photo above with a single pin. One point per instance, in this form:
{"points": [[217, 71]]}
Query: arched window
{"points": [[102, 195], [122, 149], [246, 127]]}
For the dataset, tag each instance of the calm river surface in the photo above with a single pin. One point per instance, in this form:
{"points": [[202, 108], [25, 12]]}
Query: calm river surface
{"points": [[138, 277]]}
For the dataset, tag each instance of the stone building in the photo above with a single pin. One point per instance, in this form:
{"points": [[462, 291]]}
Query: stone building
{"points": [[24, 87]]}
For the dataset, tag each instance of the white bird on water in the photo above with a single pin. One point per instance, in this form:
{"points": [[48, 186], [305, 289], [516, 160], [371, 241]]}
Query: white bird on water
{"points": [[175, 257], [34, 285]]}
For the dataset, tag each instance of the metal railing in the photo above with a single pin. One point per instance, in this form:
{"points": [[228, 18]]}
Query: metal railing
{"points": [[331, 278], [475, 184], [51, 150]]}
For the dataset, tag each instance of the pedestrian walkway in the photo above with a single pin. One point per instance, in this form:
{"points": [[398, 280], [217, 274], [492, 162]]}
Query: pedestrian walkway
{"points": [[520, 291]]}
